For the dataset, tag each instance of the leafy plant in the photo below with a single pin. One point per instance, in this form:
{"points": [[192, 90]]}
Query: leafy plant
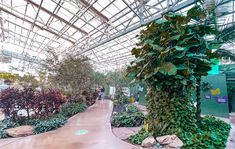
{"points": [[120, 97], [212, 133], [48, 103], [9, 76], [50, 124], [5, 124], [160, 129], [130, 118], [172, 53], [42, 104], [9, 102], [71, 109], [71, 74], [139, 137], [28, 81], [132, 109]]}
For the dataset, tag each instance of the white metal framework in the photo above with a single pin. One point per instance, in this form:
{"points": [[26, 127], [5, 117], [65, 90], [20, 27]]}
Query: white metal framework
{"points": [[103, 30]]}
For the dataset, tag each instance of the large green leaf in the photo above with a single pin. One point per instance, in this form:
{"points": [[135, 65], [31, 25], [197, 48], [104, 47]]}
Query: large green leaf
{"points": [[182, 67], [175, 37], [161, 21], [178, 48], [168, 68], [213, 46]]}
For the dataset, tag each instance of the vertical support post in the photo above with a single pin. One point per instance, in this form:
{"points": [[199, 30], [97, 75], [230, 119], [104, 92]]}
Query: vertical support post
{"points": [[1, 25], [141, 12]]}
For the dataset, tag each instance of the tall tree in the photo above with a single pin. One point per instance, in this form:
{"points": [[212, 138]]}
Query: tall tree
{"points": [[171, 54]]}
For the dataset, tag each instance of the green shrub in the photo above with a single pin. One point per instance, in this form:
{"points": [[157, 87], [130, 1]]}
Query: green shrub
{"points": [[5, 124], [50, 124], [139, 137], [73, 108], [132, 109], [212, 133], [131, 118], [120, 98]]}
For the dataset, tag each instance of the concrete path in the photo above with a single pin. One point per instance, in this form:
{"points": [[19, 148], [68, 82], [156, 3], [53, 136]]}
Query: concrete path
{"points": [[88, 130]]}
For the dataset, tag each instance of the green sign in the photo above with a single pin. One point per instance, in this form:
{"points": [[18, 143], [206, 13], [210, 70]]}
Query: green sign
{"points": [[214, 96]]}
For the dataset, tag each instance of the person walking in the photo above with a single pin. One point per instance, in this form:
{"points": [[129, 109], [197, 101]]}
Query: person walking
{"points": [[102, 92]]}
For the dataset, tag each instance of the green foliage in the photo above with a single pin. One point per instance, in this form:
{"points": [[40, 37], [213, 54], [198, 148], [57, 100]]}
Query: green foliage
{"points": [[72, 74], [132, 117], [172, 53], [9, 76], [42, 103], [117, 78], [29, 81], [132, 109], [160, 129], [212, 133], [120, 97], [73, 108], [139, 137], [5, 124], [50, 124]]}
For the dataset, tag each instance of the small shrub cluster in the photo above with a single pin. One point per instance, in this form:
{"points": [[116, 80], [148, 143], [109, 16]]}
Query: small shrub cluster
{"points": [[120, 98], [139, 137], [5, 124], [212, 133], [71, 109], [88, 97], [132, 117], [50, 124]]}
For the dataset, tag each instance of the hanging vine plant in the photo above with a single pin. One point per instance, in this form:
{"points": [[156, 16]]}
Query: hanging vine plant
{"points": [[172, 53]]}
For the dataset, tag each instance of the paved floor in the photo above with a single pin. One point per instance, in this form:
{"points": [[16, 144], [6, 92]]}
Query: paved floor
{"points": [[95, 122], [231, 139]]}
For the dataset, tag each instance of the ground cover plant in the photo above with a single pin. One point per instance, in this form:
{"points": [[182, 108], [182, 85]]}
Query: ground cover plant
{"points": [[130, 117], [139, 137]]}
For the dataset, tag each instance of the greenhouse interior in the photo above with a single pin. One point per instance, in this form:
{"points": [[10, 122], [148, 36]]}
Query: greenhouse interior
{"points": [[117, 74]]}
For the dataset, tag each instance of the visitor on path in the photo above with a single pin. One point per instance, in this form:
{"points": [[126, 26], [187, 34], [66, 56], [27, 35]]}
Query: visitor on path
{"points": [[101, 93]]}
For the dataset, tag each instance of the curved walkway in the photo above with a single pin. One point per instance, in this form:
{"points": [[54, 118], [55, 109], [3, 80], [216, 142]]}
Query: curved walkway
{"points": [[96, 120]]}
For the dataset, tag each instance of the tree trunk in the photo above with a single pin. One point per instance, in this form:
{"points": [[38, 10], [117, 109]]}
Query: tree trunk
{"points": [[171, 110]]}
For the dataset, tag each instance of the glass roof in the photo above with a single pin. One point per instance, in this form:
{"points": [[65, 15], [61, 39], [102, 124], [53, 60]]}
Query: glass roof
{"points": [[103, 30]]}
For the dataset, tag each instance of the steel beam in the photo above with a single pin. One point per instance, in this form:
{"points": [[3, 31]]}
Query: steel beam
{"points": [[32, 25], [176, 8], [28, 30], [95, 11], [132, 9], [57, 17], [38, 26]]}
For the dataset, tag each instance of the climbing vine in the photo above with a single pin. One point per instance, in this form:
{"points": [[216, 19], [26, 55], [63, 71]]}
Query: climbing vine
{"points": [[173, 53]]}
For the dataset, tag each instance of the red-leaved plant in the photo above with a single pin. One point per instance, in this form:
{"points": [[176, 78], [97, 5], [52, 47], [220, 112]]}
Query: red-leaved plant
{"points": [[41, 103], [9, 99]]}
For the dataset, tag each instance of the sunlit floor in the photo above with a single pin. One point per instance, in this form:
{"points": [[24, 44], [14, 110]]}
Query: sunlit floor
{"points": [[88, 130]]}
